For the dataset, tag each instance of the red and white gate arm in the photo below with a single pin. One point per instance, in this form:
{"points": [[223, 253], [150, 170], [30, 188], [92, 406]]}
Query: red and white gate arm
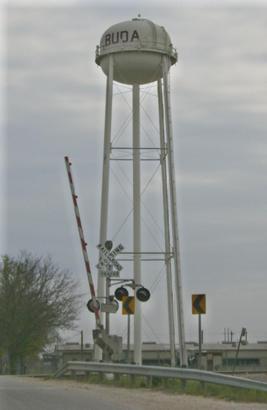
{"points": [[83, 244]]}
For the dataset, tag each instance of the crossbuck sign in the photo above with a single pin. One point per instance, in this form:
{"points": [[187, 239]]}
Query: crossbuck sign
{"points": [[107, 263]]}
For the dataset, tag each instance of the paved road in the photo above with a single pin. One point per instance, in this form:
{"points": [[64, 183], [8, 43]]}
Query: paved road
{"points": [[18, 393], [28, 394]]}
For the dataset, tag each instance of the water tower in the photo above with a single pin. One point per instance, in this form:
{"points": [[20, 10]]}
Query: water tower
{"points": [[139, 52]]}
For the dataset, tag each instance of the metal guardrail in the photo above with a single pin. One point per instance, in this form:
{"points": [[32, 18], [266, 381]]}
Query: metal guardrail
{"points": [[165, 372]]}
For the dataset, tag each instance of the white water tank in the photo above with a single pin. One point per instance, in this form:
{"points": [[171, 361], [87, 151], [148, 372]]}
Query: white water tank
{"points": [[137, 47]]}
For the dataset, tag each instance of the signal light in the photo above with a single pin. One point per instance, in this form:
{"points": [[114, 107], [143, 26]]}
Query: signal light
{"points": [[142, 294], [91, 307], [120, 292]]}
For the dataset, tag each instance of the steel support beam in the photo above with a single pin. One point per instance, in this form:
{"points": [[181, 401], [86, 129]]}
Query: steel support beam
{"points": [[166, 219], [137, 221], [101, 284], [175, 235]]}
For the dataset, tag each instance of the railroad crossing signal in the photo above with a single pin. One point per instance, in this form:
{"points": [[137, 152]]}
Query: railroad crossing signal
{"points": [[128, 305], [198, 304], [107, 264]]}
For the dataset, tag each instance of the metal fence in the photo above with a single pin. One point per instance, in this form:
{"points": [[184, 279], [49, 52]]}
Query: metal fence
{"points": [[202, 376]]}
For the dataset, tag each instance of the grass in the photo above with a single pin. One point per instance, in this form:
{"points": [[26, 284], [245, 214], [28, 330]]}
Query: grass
{"points": [[174, 386]]}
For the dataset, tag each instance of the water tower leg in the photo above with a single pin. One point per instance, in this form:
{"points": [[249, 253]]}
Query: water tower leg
{"points": [[101, 283], [137, 221], [166, 225], [176, 248]]}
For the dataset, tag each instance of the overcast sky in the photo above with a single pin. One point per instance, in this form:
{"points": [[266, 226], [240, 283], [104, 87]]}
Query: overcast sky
{"points": [[54, 105]]}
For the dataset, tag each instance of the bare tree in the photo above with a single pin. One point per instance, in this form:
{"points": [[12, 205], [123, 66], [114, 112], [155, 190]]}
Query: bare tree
{"points": [[37, 299]]}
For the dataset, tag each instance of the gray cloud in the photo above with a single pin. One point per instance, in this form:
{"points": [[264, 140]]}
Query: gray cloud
{"points": [[55, 106]]}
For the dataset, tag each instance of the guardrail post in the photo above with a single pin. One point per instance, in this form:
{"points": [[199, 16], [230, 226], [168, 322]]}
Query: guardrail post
{"points": [[165, 382], [183, 384], [203, 385], [132, 379], [73, 374], [149, 381]]}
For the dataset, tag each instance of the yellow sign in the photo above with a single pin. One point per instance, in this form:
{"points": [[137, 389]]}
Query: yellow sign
{"points": [[128, 305], [198, 304]]}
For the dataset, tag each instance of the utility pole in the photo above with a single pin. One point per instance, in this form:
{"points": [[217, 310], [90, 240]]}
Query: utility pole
{"points": [[243, 333]]}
